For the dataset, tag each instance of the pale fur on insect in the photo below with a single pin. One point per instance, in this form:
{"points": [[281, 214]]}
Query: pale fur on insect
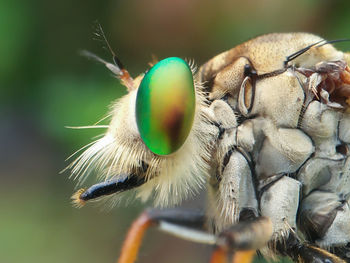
{"points": [[122, 151]]}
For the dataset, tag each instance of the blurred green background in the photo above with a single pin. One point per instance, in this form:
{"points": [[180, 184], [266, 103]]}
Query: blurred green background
{"points": [[45, 85]]}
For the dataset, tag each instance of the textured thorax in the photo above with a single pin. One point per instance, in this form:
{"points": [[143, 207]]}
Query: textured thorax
{"points": [[286, 135]]}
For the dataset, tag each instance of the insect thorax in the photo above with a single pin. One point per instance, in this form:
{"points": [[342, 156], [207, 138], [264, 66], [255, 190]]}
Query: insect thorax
{"points": [[284, 152]]}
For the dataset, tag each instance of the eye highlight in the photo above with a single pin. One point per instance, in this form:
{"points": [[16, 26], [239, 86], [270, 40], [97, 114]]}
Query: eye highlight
{"points": [[165, 105]]}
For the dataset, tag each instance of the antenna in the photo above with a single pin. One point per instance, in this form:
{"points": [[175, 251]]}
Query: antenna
{"points": [[117, 67]]}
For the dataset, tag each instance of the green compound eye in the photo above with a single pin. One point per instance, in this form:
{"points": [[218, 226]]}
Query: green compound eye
{"points": [[165, 106]]}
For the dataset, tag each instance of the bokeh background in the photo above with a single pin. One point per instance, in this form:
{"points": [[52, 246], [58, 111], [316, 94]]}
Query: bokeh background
{"points": [[45, 85]]}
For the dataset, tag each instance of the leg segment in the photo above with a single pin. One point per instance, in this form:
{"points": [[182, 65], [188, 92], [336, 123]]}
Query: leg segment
{"points": [[324, 218], [280, 203], [134, 238], [303, 252], [243, 238], [186, 224]]}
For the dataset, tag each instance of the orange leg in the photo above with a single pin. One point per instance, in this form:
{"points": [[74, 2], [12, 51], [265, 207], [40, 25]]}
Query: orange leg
{"points": [[181, 221], [134, 238], [243, 238], [243, 256], [219, 255]]}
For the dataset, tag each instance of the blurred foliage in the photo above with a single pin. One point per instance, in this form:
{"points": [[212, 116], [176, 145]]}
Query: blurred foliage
{"points": [[45, 85]]}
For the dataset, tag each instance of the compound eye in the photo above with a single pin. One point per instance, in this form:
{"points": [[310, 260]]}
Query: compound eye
{"points": [[165, 106]]}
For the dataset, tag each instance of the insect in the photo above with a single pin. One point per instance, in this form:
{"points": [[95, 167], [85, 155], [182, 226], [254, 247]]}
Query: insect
{"points": [[263, 127]]}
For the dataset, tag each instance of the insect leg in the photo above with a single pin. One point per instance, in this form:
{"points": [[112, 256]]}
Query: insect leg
{"points": [[314, 254], [324, 218], [183, 223], [243, 239], [187, 224], [303, 252], [134, 238], [280, 195], [241, 232]]}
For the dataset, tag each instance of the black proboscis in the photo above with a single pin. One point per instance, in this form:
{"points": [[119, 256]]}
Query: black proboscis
{"points": [[117, 185]]}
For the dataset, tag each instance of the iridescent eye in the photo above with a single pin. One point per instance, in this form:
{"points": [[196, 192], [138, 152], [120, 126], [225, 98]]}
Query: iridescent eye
{"points": [[165, 106]]}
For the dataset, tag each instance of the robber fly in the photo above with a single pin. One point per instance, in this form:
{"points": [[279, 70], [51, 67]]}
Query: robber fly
{"points": [[263, 127]]}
